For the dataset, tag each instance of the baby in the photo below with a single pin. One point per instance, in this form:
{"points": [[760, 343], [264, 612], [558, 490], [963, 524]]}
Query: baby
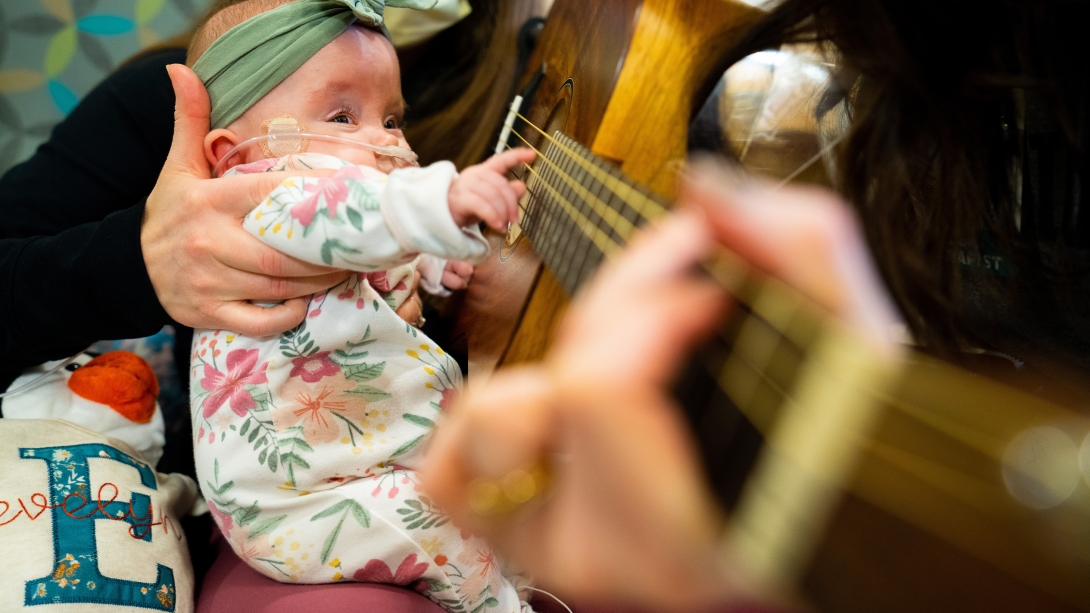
{"points": [[307, 442]]}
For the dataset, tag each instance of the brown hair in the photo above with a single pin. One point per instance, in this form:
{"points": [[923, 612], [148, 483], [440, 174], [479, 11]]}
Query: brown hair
{"points": [[457, 115], [933, 161]]}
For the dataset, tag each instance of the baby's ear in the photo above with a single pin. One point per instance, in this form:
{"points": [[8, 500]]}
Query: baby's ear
{"points": [[218, 143]]}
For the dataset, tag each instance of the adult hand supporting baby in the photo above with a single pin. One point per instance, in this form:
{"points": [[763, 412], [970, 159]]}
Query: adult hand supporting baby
{"points": [[203, 266]]}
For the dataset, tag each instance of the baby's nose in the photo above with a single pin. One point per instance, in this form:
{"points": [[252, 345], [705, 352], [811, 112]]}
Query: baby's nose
{"points": [[387, 139]]}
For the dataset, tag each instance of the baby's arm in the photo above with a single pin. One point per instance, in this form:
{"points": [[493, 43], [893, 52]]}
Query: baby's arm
{"points": [[361, 219]]}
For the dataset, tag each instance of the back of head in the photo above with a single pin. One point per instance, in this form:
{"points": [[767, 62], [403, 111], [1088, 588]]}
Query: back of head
{"points": [[221, 17]]}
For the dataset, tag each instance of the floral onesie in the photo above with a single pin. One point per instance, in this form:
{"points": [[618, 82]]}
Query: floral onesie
{"points": [[307, 442]]}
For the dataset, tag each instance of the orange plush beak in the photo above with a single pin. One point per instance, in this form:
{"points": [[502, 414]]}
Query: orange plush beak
{"points": [[120, 380]]}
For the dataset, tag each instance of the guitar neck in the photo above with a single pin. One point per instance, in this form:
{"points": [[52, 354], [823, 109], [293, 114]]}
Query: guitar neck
{"points": [[793, 409]]}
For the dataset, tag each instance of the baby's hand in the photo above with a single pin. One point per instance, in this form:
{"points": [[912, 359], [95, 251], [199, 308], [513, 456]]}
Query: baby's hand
{"points": [[483, 193], [456, 275]]}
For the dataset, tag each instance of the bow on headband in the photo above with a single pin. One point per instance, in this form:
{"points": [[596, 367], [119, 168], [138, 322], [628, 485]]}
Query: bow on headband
{"points": [[250, 59]]}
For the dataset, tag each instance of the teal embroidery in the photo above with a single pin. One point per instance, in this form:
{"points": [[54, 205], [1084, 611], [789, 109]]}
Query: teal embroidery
{"points": [[75, 577]]}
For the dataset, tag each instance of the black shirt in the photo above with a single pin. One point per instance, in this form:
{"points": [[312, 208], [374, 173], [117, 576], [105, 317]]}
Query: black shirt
{"points": [[71, 268]]}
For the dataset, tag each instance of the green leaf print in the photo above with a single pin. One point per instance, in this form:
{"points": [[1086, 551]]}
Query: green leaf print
{"points": [[372, 394], [273, 461], [408, 446], [364, 372], [327, 253], [223, 489], [420, 421], [266, 526], [333, 510], [247, 516], [359, 513], [245, 427], [420, 514], [354, 218]]}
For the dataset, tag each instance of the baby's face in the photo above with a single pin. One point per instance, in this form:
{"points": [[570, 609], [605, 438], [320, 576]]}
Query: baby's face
{"points": [[351, 88]]}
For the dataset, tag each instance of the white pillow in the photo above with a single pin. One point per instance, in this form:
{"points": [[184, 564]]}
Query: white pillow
{"points": [[84, 521]]}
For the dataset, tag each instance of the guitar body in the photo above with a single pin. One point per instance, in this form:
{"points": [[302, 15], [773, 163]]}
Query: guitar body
{"points": [[620, 77]]}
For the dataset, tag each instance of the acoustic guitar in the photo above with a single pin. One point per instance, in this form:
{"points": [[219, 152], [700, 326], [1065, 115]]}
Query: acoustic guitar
{"points": [[863, 484]]}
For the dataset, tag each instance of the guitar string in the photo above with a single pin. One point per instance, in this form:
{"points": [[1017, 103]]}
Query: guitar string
{"points": [[606, 179], [628, 227], [600, 237]]}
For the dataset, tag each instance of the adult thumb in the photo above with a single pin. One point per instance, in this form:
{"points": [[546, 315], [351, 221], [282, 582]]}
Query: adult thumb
{"points": [[191, 122]]}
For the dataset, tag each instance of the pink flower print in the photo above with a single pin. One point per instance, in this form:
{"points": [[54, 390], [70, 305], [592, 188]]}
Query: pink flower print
{"points": [[486, 573], [241, 372], [333, 191], [449, 396], [349, 172], [378, 281], [224, 520], [312, 369], [251, 548], [317, 408], [409, 572], [305, 209]]}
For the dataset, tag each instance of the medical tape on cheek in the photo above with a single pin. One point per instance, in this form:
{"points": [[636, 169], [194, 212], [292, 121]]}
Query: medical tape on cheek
{"points": [[281, 127]]}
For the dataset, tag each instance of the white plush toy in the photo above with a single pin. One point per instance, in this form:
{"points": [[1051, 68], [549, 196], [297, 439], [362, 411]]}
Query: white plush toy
{"points": [[115, 394]]}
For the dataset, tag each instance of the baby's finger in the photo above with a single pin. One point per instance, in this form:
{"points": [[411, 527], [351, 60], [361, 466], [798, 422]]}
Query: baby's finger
{"points": [[462, 269], [513, 158], [454, 281], [488, 206], [520, 190], [508, 194]]}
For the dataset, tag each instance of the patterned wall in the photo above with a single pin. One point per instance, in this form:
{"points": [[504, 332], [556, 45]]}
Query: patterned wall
{"points": [[52, 52]]}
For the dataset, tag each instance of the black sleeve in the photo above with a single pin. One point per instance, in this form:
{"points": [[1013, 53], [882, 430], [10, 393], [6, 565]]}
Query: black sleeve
{"points": [[71, 268]]}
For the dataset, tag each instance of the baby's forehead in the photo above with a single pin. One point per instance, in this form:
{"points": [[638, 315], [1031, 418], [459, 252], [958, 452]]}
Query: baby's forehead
{"points": [[360, 60]]}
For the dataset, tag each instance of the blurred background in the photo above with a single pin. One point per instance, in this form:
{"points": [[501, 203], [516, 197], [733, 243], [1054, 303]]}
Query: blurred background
{"points": [[52, 52]]}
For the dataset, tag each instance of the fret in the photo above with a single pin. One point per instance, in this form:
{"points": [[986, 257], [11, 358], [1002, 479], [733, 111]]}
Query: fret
{"points": [[567, 194], [574, 277], [552, 213], [578, 269]]}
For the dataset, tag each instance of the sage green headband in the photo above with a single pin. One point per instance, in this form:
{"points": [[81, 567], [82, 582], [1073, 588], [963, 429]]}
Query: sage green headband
{"points": [[252, 58]]}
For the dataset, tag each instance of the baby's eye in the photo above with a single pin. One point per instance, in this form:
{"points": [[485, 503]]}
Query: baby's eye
{"points": [[391, 124], [341, 118]]}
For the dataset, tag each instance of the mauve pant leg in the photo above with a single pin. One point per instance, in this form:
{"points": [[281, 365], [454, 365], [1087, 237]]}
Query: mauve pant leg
{"points": [[233, 587]]}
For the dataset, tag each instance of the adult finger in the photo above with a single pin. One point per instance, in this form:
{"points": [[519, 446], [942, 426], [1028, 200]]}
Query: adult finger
{"points": [[191, 123], [262, 287], [648, 301], [248, 254], [809, 237], [256, 321], [240, 194], [494, 429]]}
